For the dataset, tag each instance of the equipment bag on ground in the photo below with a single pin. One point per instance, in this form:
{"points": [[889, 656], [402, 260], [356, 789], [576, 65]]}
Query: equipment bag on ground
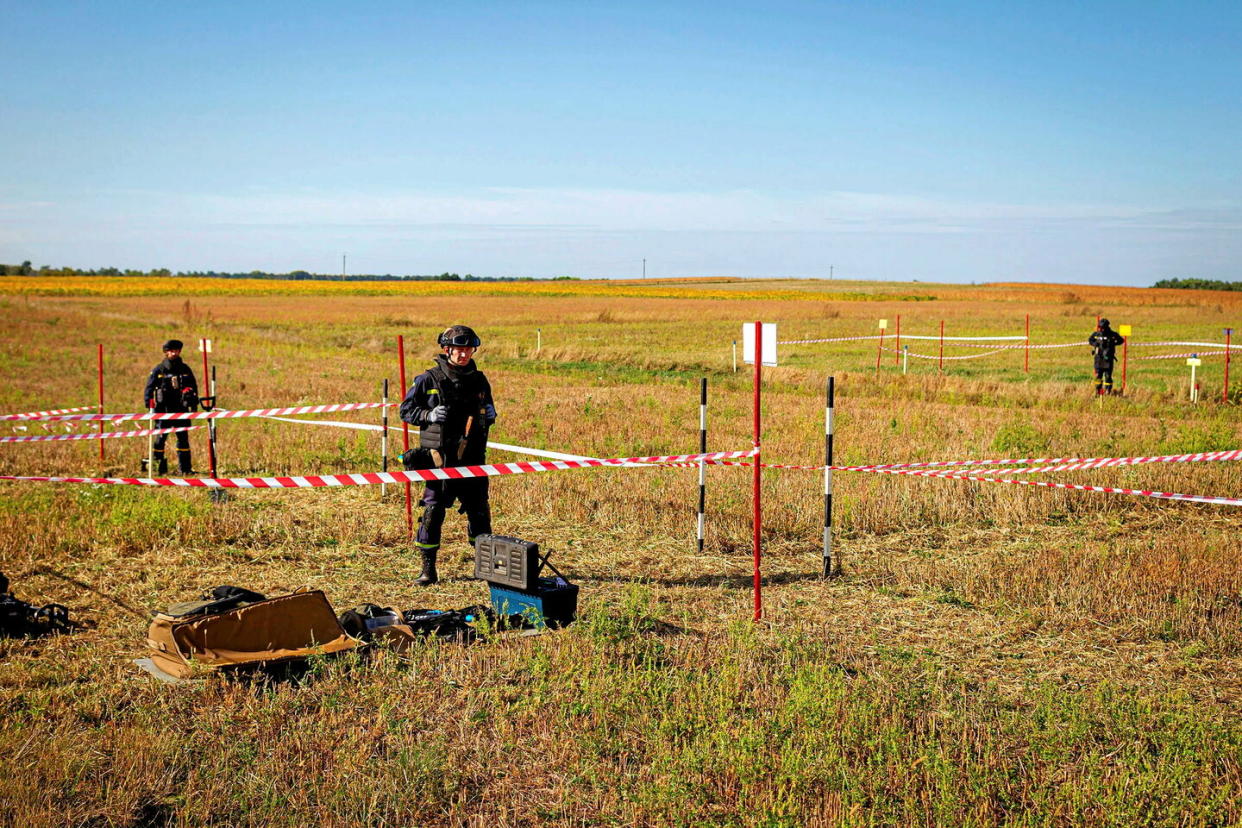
{"points": [[232, 632], [19, 619]]}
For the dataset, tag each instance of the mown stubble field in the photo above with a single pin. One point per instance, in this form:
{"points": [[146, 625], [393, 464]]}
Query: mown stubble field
{"points": [[991, 654]]}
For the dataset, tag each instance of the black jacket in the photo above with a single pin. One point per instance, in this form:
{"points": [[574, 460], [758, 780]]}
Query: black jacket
{"points": [[1104, 344], [462, 438], [171, 388]]}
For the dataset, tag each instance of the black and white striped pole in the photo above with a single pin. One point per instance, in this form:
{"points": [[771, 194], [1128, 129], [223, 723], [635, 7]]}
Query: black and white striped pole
{"points": [[702, 462], [828, 564], [384, 436]]}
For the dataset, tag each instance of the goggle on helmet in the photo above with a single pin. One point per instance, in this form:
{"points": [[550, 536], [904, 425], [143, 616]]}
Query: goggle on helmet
{"points": [[459, 336]]}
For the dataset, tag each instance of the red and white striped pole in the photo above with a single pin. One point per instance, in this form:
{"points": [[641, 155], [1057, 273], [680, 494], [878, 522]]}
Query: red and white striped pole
{"points": [[99, 353], [755, 480], [405, 436]]}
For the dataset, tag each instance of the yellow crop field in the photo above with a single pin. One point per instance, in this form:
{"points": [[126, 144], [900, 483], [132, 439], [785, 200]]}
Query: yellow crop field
{"points": [[188, 286], [988, 651]]}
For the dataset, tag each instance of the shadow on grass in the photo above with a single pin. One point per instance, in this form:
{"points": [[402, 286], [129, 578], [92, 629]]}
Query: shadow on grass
{"points": [[43, 570]]}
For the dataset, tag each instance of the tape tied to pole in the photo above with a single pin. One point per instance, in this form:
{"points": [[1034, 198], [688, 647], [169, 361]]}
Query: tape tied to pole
{"points": [[218, 413], [35, 415], [376, 478], [143, 432]]}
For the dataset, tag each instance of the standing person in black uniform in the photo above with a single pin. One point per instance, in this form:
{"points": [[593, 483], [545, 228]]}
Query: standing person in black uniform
{"points": [[451, 403], [171, 388], [1104, 342]]}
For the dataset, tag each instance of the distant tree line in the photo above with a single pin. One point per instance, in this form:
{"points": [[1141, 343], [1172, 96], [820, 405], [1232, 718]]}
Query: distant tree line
{"points": [[1198, 284], [26, 269]]}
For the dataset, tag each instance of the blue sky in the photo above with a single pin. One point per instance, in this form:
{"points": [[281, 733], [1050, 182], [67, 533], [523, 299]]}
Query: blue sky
{"points": [[969, 141]]}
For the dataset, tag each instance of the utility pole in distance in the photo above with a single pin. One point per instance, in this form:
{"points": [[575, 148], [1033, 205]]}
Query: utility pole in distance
{"points": [[830, 269], [644, 268], [342, 267]]}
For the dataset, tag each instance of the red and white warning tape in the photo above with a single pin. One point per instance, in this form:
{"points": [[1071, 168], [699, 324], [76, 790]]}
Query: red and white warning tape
{"points": [[218, 413], [1183, 356], [832, 339], [142, 432], [37, 415], [1196, 457], [937, 356], [952, 474], [965, 338], [1166, 342], [1223, 501], [374, 478], [1050, 464]]}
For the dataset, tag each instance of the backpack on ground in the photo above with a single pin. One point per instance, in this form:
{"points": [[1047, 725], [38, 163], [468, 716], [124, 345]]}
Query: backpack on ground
{"points": [[231, 627]]}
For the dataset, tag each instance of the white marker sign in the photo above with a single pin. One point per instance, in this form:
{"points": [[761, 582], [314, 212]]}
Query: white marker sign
{"points": [[769, 343]]}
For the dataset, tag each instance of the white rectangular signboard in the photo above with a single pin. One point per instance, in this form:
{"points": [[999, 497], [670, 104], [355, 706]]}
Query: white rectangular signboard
{"points": [[769, 343]]}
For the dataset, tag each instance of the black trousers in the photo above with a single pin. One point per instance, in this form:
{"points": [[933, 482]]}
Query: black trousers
{"points": [[440, 496], [183, 445], [1104, 373]]}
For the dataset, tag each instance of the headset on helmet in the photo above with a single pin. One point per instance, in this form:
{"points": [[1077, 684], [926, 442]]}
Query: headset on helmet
{"points": [[459, 336]]}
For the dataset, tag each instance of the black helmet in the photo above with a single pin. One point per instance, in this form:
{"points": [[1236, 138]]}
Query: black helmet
{"points": [[459, 336], [1103, 323], [173, 345]]}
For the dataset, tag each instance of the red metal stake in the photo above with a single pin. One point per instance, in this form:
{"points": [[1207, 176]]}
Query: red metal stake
{"points": [[1228, 337], [405, 436], [1125, 361], [756, 477], [1026, 358], [942, 346], [897, 346], [879, 349], [101, 399]]}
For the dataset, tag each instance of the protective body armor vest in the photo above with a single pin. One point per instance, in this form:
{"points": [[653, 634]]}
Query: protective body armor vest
{"points": [[172, 387], [465, 428]]}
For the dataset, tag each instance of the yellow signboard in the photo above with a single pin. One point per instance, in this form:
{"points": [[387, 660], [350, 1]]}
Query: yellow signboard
{"points": [[883, 324], [1194, 361], [1124, 330]]}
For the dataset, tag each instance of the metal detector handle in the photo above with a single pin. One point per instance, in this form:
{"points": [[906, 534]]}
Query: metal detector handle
{"points": [[543, 561]]}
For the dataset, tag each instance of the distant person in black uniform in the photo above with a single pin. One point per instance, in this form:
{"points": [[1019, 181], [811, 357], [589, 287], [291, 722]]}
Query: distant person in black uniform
{"points": [[452, 405], [1104, 342], [172, 389]]}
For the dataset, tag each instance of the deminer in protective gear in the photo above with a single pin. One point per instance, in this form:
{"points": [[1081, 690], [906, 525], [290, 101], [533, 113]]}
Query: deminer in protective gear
{"points": [[451, 403], [1104, 341], [172, 389]]}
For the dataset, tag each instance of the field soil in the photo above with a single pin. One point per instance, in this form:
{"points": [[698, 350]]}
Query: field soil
{"points": [[987, 654]]}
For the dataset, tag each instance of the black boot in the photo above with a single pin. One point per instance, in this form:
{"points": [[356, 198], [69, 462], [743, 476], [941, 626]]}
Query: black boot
{"points": [[428, 576]]}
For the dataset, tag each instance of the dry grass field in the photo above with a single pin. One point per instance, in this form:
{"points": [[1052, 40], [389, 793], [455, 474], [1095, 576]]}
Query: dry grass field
{"points": [[990, 655]]}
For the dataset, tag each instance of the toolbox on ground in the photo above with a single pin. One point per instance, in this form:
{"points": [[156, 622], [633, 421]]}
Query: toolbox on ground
{"points": [[552, 603], [512, 569], [506, 561]]}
